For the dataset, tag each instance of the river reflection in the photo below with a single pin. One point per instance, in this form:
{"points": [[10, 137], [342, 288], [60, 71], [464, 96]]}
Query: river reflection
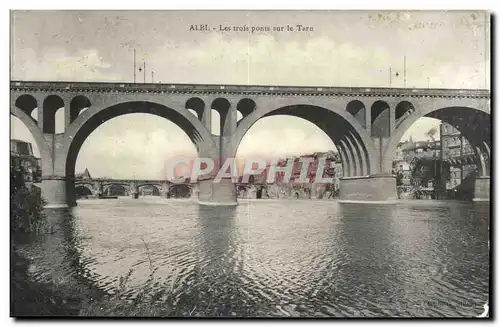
{"points": [[278, 257]]}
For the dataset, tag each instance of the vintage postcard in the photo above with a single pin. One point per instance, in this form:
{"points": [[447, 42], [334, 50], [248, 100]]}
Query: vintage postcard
{"points": [[319, 164]]}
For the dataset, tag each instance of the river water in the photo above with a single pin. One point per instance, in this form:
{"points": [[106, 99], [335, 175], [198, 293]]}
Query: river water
{"points": [[279, 258]]}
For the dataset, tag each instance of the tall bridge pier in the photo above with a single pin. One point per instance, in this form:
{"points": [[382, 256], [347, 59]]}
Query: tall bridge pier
{"points": [[55, 193]]}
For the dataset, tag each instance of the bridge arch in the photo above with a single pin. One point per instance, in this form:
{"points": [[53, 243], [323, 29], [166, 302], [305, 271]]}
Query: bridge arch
{"points": [[51, 104], [474, 124], [341, 127], [358, 110], [197, 105], [107, 184], [222, 107]]}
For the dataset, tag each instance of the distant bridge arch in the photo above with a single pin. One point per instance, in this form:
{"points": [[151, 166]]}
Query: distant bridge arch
{"points": [[116, 189]]}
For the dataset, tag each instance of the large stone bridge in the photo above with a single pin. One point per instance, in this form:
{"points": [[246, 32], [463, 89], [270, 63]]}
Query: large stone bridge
{"points": [[102, 186], [365, 124]]}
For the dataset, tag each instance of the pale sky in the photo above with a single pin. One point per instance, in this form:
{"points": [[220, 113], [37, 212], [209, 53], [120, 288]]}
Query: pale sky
{"points": [[443, 50]]}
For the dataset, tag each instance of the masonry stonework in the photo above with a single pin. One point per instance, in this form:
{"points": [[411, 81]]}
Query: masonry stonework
{"points": [[54, 193]]}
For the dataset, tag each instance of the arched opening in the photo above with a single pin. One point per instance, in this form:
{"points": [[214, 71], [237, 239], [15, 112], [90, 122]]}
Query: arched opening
{"points": [[215, 125], [404, 108], [358, 110], [284, 135], [221, 106], [149, 190], [380, 119], [115, 190], [113, 145], [25, 129], [28, 104], [180, 191], [83, 110], [59, 118], [297, 133], [82, 191], [349, 143], [245, 107], [19, 131], [440, 155], [51, 105], [193, 112]]}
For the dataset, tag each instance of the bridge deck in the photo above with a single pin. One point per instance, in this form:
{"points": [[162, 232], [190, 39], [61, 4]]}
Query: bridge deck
{"points": [[242, 89], [110, 180]]}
